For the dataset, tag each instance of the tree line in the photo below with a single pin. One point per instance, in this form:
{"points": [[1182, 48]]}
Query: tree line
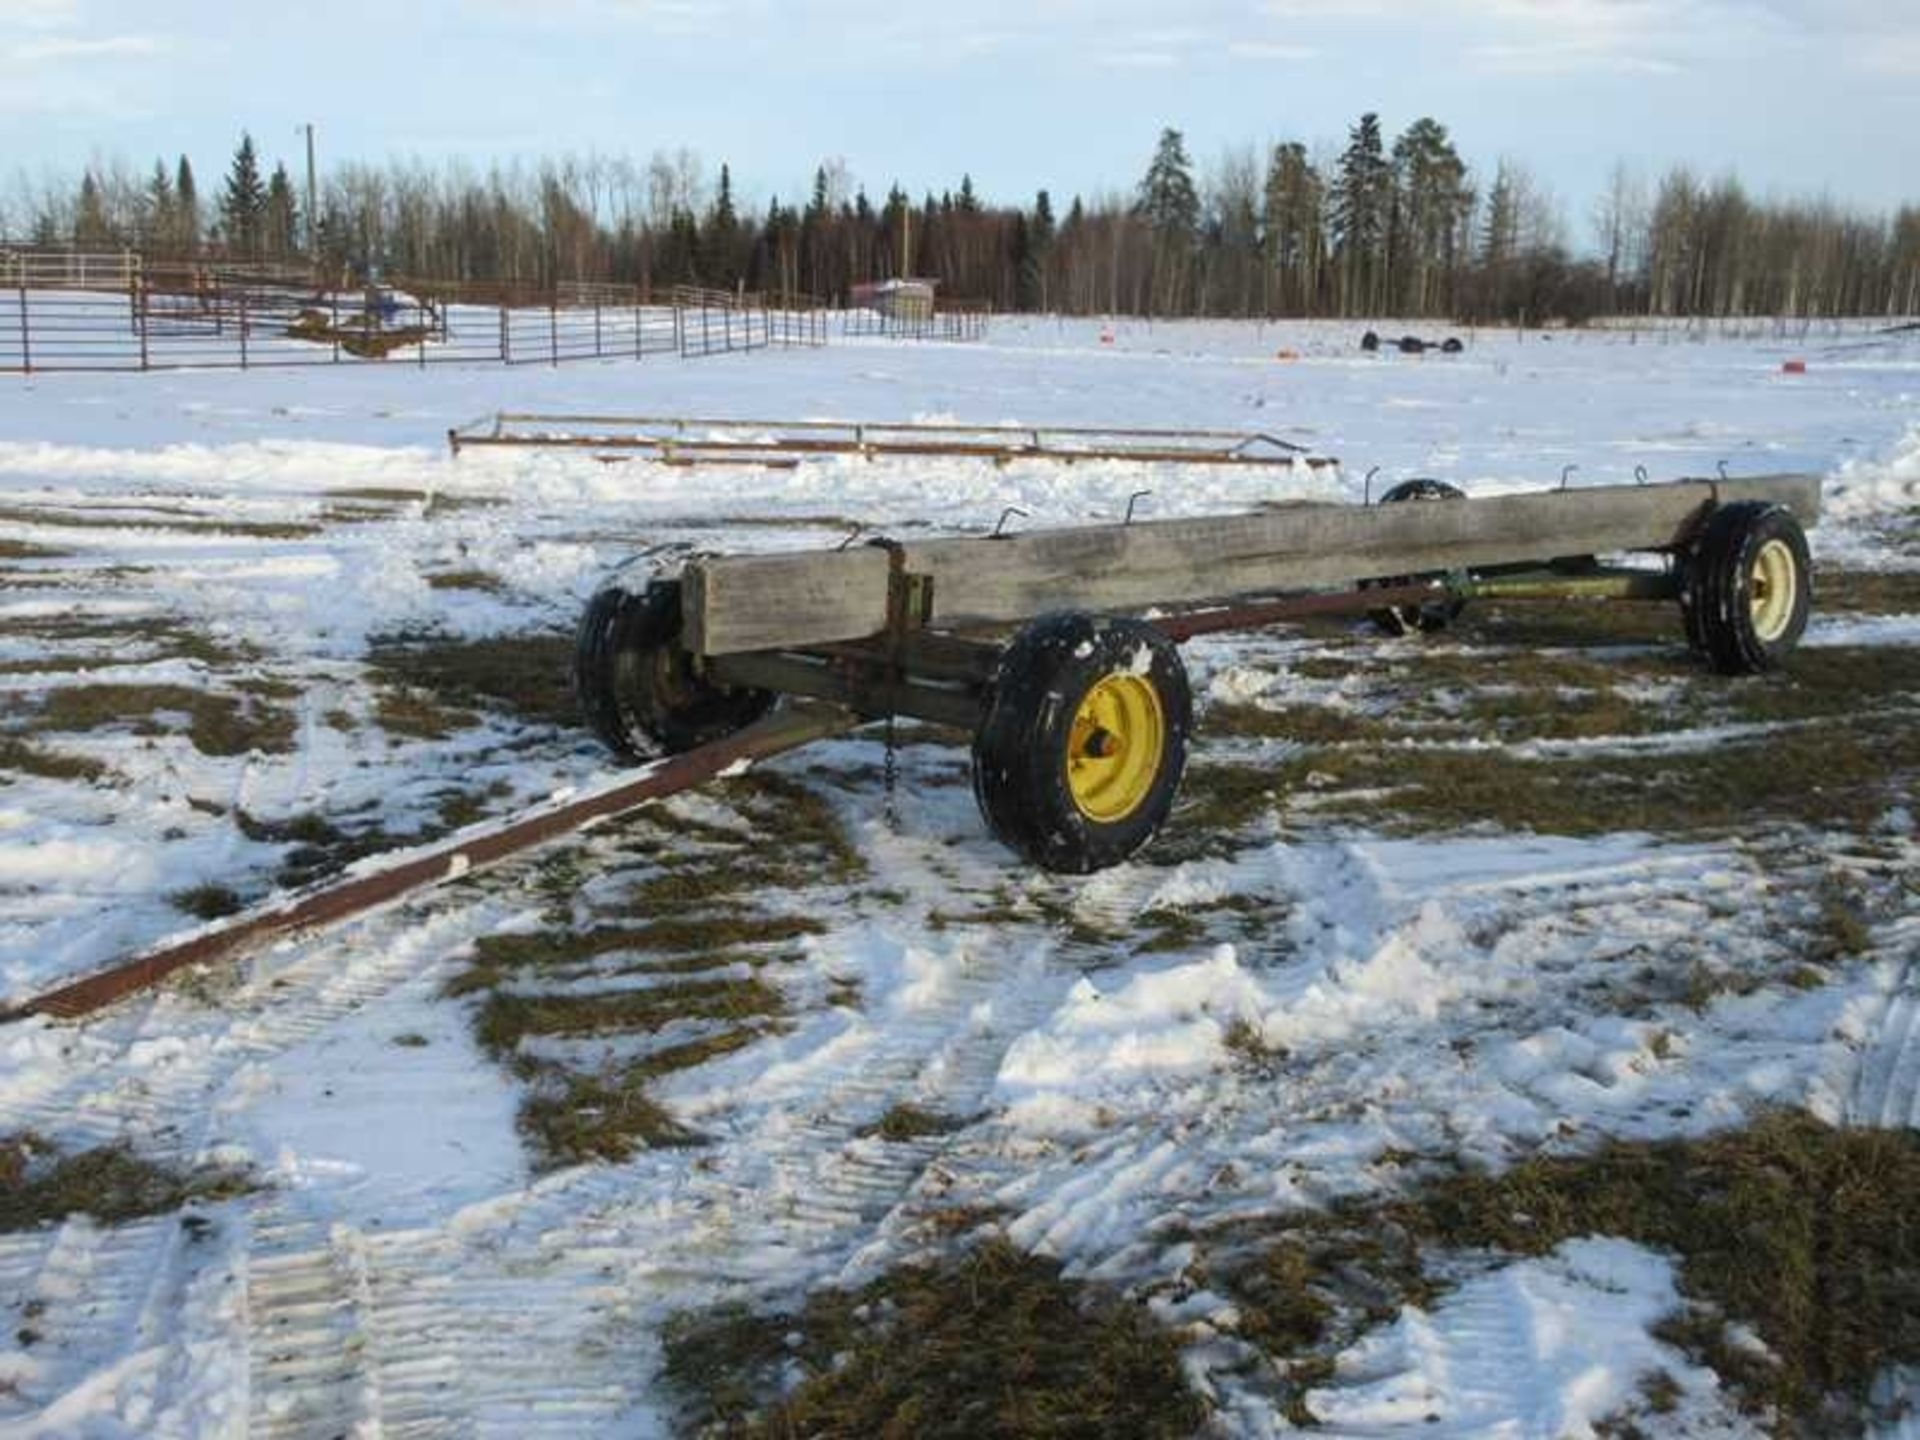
{"points": [[1405, 228]]}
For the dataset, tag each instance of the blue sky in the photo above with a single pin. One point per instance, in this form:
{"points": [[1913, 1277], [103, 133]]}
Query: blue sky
{"points": [[1798, 96]]}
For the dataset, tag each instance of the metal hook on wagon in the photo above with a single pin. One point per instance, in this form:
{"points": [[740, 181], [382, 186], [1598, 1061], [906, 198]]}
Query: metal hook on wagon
{"points": [[1366, 493], [1132, 499], [1000, 526], [1566, 474], [1721, 465], [1640, 475], [852, 535]]}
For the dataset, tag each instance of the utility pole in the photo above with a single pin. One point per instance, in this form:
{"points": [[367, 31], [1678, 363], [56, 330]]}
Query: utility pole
{"points": [[313, 206]]}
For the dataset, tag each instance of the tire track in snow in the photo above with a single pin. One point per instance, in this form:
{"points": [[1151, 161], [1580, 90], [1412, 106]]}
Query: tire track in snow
{"points": [[1464, 1370], [1886, 1088], [150, 1063], [84, 1293], [535, 1314], [154, 1074]]}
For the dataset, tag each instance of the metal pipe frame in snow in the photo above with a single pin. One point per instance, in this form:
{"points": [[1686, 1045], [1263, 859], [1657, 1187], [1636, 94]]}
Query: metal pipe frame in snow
{"points": [[871, 438], [331, 902], [1599, 584], [1259, 614]]}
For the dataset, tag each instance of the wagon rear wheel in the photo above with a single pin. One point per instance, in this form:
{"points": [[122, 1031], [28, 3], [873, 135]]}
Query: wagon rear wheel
{"points": [[1747, 587], [1430, 615], [639, 691], [1084, 740]]}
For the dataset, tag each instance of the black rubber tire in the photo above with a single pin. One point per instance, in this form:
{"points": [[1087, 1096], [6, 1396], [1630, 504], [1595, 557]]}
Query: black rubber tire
{"points": [[1717, 587], [1020, 752], [638, 690], [1434, 615]]}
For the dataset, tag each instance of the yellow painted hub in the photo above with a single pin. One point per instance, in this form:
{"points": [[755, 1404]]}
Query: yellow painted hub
{"points": [[1776, 585], [1116, 747]]}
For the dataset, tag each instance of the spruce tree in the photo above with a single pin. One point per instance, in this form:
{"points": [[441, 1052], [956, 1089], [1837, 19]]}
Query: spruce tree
{"points": [[1362, 195], [1432, 204], [244, 204], [280, 218], [186, 195], [1168, 198], [1042, 220], [90, 228], [1170, 203], [162, 217], [720, 238], [1294, 220]]}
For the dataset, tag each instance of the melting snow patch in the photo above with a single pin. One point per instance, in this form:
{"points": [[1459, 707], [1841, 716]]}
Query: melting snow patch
{"points": [[1164, 1024], [1540, 1348]]}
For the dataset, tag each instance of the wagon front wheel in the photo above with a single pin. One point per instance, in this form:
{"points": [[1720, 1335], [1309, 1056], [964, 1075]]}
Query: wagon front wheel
{"points": [[1083, 740], [639, 691]]}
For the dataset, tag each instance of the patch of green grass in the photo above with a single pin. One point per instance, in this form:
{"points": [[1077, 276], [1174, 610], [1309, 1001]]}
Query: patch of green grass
{"points": [[996, 1343], [24, 550], [1799, 1231], [1868, 592], [506, 1018], [319, 847], [1218, 801], [98, 517], [573, 1117], [23, 759], [216, 724], [907, 1121], [1840, 775], [206, 902], [1167, 927], [796, 828], [1302, 724], [698, 917], [1573, 624], [415, 714], [483, 581], [705, 940], [1556, 714], [1842, 929], [528, 677], [39, 1185]]}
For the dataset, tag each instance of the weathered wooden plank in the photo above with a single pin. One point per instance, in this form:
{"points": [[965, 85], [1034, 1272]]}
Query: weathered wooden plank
{"points": [[764, 601], [768, 602]]}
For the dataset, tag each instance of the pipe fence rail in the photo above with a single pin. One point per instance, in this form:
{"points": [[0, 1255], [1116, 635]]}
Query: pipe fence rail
{"points": [[73, 312], [956, 320]]}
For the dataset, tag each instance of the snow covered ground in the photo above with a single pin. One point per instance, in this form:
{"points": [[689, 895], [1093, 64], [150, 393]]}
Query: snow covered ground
{"points": [[253, 625]]}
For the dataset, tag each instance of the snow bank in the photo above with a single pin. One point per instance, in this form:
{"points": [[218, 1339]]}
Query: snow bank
{"points": [[1888, 482]]}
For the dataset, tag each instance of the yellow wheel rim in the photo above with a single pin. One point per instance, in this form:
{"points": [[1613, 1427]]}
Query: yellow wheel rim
{"points": [[1776, 585], [1116, 746]]}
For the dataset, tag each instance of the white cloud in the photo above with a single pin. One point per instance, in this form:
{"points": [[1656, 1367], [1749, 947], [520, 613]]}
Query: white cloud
{"points": [[75, 47]]}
